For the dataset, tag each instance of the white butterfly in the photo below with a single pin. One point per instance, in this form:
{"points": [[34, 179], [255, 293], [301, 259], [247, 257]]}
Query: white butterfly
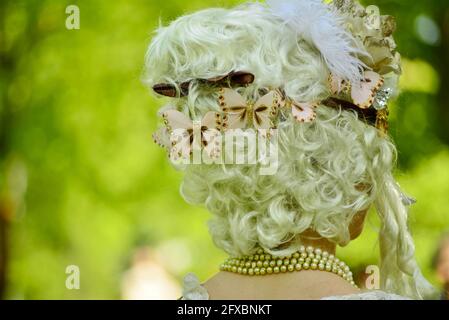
{"points": [[242, 114], [301, 111], [362, 95], [178, 134]]}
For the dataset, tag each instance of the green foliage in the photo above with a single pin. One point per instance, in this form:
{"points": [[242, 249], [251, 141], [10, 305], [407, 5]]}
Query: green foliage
{"points": [[85, 184]]}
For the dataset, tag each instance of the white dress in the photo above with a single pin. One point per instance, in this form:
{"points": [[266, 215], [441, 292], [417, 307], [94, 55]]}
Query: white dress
{"points": [[193, 290]]}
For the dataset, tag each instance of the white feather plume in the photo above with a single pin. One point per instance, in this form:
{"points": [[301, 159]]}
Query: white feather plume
{"points": [[320, 24]]}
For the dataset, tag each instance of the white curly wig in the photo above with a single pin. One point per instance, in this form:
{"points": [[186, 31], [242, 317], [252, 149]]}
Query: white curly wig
{"points": [[321, 164]]}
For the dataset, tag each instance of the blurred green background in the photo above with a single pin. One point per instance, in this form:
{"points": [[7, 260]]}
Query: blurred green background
{"points": [[81, 182]]}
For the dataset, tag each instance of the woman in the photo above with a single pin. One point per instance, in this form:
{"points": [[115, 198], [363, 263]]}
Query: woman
{"points": [[313, 80]]}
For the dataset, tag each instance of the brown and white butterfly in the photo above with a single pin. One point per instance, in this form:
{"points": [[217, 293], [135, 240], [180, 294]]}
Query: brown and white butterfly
{"points": [[301, 111], [239, 114], [181, 130], [362, 95]]}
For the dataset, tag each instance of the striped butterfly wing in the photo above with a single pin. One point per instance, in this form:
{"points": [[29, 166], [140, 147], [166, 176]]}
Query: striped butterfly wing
{"points": [[235, 109], [211, 125], [180, 128], [265, 110]]}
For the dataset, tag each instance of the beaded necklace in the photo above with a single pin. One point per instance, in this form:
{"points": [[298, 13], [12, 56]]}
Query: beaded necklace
{"points": [[308, 258]]}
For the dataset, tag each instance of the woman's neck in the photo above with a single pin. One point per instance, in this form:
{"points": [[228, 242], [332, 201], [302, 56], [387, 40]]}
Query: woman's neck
{"points": [[313, 239], [305, 284]]}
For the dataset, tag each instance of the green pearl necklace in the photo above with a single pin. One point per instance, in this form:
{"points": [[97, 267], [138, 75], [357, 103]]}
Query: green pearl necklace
{"points": [[305, 259]]}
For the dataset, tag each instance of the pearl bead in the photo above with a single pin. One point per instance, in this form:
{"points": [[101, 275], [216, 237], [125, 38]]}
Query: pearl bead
{"points": [[251, 271], [318, 251], [269, 270], [262, 271], [325, 254], [296, 255], [293, 261], [259, 263], [313, 266], [272, 263], [286, 261], [298, 267], [302, 249], [283, 269], [309, 249], [306, 265], [290, 268]]}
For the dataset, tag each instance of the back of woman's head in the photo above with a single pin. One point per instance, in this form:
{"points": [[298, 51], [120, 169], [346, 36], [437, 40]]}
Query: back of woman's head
{"points": [[328, 170]]}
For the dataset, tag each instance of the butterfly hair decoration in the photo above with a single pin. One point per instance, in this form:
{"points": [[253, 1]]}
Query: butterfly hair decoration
{"points": [[300, 111], [178, 134], [240, 113], [234, 78], [369, 99], [362, 95]]}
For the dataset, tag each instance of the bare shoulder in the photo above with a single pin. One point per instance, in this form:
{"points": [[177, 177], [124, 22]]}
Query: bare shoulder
{"points": [[306, 285]]}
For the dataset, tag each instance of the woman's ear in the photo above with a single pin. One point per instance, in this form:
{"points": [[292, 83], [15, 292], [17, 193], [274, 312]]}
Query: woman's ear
{"points": [[357, 224]]}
